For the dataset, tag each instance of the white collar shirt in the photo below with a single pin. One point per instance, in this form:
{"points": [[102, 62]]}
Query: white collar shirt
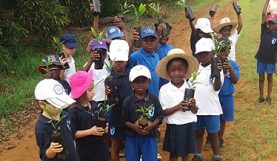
{"points": [[234, 39], [71, 70]]}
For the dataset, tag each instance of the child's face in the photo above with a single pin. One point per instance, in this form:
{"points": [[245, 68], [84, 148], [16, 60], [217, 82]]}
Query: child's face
{"points": [[205, 57], [68, 51], [140, 84], [163, 40], [54, 72], [90, 91], [226, 31], [119, 66], [176, 70], [148, 44], [272, 26]]}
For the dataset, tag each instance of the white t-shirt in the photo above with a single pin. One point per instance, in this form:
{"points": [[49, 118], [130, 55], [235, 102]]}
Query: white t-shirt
{"points": [[206, 97], [71, 70], [99, 76], [234, 39], [169, 97]]}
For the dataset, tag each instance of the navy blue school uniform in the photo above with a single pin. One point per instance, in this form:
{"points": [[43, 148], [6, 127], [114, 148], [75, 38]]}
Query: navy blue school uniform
{"points": [[137, 145], [89, 148], [44, 129], [226, 92], [163, 49], [141, 57], [123, 89]]}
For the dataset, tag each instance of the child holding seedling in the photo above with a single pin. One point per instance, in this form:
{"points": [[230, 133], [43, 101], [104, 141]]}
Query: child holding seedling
{"points": [[141, 114], [119, 53], [53, 129], [180, 114], [89, 141], [225, 29], [266, 55], [148, 57], [206, 96], [52, 66]]}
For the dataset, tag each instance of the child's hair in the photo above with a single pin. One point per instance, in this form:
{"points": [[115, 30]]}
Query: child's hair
{"points": [[83, 99], [183, 61]]}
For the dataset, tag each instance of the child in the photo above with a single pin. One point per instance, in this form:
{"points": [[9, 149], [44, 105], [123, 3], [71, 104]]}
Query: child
{"points": [[206, 95], [146, 56], [89, 141], [266, 55], [141, 141], [119, 53], [52, 99], [180, 137], [225, 28], [163, 45], [54, 70]]}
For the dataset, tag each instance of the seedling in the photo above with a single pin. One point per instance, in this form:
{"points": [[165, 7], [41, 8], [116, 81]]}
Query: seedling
{"points": [[144, 115], [103, 109], [125, 8], [139, 11], [189, 92], [97, 36]]}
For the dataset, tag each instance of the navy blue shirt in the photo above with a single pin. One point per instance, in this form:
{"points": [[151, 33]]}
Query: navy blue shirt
{"points": [[123, 89], [268, 46], [89, 148], [129, 113], [44, 130], [228, 87], [141, 57], [163, 49]]}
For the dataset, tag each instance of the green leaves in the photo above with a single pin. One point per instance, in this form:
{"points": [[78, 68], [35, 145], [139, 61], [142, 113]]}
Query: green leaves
{"points": [[192, 80], [104, 108], [139, 11], [97, 36], [125, 8], [144, 111], [222, 45]]}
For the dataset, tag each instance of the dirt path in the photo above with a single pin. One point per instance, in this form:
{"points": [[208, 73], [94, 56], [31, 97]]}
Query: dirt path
{"points": [[22, 147]]}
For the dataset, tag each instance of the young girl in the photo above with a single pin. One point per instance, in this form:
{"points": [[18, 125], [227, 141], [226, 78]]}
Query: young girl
{"points": [[89, 141], [180, 114]]}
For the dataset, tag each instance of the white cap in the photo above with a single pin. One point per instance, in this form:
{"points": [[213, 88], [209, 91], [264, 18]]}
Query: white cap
{"points": [[139, 70], [119, 50], [204, 45], [204, 25], [53, 92]]}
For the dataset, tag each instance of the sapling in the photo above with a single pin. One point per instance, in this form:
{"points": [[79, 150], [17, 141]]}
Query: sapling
{"points": [[144, 115], [103, 109], [189, 92], [138, 13]]}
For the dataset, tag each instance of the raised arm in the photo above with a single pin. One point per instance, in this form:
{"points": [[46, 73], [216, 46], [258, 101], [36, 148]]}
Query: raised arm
{"points": [[264, 14], [239, 23]]}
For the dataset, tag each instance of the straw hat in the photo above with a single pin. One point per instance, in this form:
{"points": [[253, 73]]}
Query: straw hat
{"points": [[177, 53], [224, 22]]}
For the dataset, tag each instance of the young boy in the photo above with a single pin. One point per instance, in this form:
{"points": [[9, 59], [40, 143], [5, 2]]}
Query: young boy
{"points": [[206, 95], [52, 99], [266, 55], [141, 141], [225, 28], [119, 53], [148, 57], [54, 70]]}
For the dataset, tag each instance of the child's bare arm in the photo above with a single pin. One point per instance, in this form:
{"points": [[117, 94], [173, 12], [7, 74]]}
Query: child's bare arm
{"points": [[239, 23], [53, 149], [233, 76], [95, 23], [97, 131], [217, 82], [180, 106], [264, 14]]}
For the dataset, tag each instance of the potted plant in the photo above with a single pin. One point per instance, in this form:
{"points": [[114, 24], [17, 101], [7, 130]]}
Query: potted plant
{"points": [[144, 115], [103, 110], [189, 93], [102, 52], [138, 13], [56, 135]]}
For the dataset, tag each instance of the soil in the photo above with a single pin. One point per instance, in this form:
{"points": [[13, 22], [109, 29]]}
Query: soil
{"points": [[21, 144]]}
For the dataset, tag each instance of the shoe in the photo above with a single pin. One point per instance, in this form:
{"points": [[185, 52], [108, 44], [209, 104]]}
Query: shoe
{"points": [[216, 159], [159, 157], [261, 99], [268, 100], [196, 158], [221, 142]]}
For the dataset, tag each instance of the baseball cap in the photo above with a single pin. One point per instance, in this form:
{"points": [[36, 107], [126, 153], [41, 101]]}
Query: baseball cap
{"points": [[114, 32], [51, 62], [69, 40], [204, 25], [272, 18], [204, 45], [53, 92], [98, 44], [80, 83], [148, 31], [119, 50], [139, 70]]}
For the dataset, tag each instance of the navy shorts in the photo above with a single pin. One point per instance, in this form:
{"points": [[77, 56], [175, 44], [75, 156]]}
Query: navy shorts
{"points": [[263, 67], [117, 132], [141, 146], [209, 122], [227, 105]]}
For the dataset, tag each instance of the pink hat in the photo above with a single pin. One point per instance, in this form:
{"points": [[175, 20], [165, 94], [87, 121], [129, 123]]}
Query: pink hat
{"points": [[80, 83]]}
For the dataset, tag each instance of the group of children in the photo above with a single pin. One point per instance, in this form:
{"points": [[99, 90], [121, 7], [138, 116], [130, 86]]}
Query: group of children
{"points": [[150, 88]]}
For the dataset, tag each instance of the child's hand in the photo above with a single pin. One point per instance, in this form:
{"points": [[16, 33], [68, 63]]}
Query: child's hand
{"points": [[219, 64], [187, 14], [192, 105], [137, 128], [119, 23], [53, 149], [147, 129], [107, 90], [63, 61], [227, 64], [97, 131], [135, 36], [182, 106], [107, 128]]}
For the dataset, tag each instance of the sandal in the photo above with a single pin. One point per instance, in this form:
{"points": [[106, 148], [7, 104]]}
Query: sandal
{"points": [[261, 99], [268, 100]]}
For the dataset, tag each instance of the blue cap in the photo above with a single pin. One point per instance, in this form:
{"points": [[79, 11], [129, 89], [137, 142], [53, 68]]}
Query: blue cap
{"points": [[69, 40], [148, 31], [114, 32]]}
